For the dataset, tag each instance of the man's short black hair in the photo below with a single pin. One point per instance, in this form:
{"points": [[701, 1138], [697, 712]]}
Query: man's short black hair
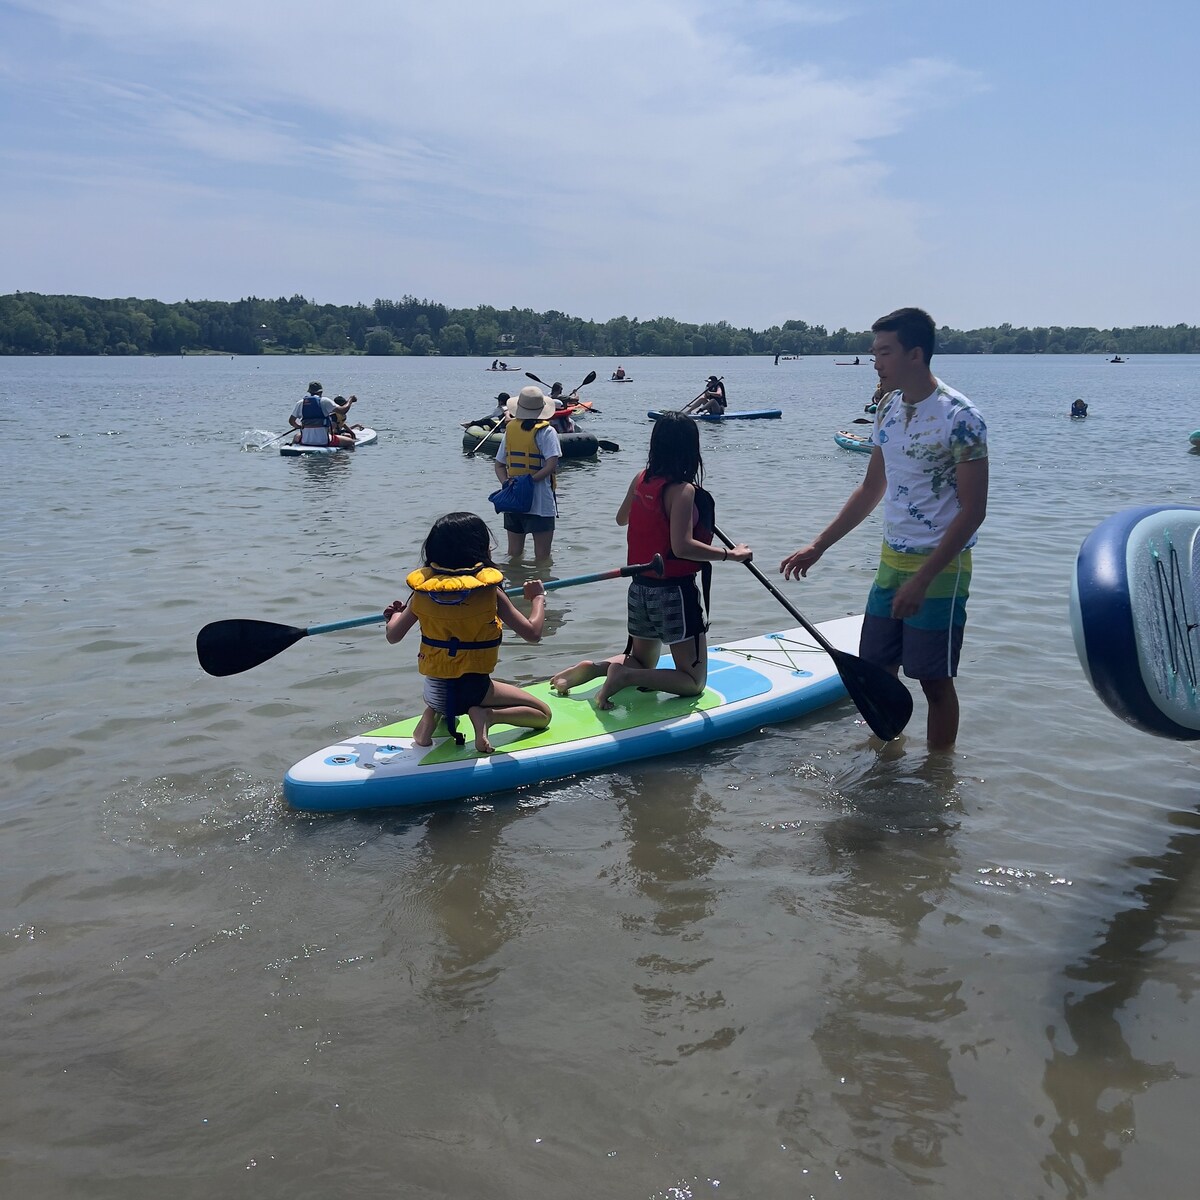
{"points": [[912, 327]]}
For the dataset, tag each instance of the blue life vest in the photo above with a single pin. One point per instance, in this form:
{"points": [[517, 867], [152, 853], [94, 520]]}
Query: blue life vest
{"points": [[312, 414]]}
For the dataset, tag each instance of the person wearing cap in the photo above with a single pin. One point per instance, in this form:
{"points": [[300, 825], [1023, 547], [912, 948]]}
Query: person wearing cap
{"points": [[498, 413], [531, 447], [711, 400], [313, 418]]}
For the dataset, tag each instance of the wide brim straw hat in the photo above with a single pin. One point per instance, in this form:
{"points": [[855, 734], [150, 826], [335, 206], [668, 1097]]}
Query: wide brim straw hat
{"points": [[531, 404]]}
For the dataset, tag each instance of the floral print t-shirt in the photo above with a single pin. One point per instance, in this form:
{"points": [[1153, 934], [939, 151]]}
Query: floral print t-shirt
{"points": [[922, 445]]}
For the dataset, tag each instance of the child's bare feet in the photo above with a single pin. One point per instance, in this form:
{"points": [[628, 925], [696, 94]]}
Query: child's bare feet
{"points": [[423, 734], [581, 672], [618, 678], [480, 720]]}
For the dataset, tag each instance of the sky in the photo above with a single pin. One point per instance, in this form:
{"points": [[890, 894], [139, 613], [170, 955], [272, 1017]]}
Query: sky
{"points": [[752, 161]]}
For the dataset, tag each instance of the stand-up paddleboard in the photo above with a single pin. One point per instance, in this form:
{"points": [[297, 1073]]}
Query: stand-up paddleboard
{"points": [[1135, 604], [364, 437], [754, 682], [854, 441], [761, 414]]}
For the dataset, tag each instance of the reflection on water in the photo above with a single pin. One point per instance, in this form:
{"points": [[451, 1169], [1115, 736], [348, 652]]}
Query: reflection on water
{"points": [[886, 1000], [479, 898], [1093, 1087], [671, 857]]}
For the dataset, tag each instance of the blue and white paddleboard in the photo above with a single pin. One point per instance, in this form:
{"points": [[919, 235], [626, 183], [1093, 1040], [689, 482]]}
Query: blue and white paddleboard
{"points": [[366, 437], [854, 441], [1135, 605], [753, 414], [751, 683]]}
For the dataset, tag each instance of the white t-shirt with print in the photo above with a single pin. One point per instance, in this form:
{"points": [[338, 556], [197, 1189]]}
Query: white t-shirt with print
{"points": [[922, 445]]}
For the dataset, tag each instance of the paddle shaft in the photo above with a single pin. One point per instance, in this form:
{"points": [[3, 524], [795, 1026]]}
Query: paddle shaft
{"points": [[821, 640], [655, 564], [471, 452]]}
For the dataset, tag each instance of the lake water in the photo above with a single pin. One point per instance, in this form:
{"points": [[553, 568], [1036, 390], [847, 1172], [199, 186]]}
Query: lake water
{"points": [[787, 966]]}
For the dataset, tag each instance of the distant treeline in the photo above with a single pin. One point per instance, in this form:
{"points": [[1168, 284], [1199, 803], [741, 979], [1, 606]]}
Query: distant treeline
{"points": [[35, 324]]}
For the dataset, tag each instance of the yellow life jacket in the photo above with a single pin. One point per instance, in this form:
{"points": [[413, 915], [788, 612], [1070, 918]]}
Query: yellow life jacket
{"points": [[521, 453], [460, 632]]}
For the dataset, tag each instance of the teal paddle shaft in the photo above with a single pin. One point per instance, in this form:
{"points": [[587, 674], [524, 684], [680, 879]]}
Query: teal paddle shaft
{"points": [[230, 647]]}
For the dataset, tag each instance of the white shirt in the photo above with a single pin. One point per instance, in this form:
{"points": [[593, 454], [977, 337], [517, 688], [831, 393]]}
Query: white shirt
{"points": [[922, 445]]}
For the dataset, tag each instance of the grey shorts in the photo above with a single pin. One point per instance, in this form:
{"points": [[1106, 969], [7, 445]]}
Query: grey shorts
{"points": [[923, 653], [668, 613], [527, 523], [455, 697]]}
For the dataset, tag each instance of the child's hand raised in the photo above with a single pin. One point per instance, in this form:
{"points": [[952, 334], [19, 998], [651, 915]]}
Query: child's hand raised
{"points": [[393, 610], [533, 589]]}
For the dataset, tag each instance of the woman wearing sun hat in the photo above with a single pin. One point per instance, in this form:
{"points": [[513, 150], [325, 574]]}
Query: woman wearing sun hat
{"points": [[531, 447]]}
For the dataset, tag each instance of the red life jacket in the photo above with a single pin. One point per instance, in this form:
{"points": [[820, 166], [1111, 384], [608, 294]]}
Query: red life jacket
{"points": [[650, 529]]}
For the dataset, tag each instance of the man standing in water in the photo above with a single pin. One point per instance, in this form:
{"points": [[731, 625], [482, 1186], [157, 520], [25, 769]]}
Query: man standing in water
{"points": [[929, 466]]}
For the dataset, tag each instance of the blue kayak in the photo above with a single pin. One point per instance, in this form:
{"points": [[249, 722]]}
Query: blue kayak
{"points": [[758, 414]]}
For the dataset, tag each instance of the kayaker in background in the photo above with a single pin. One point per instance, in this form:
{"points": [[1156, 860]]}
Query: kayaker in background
{"points": [[711, 400], [1079, 408], [929, 467], [313, 417], [458, 603], [531, 447], [873, 403], [497, 414], [619, 373], [667, 512]]}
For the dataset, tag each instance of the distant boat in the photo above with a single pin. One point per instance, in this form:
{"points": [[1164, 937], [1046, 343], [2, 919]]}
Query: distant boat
{"points": [[1116, 358]]}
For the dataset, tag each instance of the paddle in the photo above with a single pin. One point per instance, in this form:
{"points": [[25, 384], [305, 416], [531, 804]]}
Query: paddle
{"points": [[862, 421], [230, 647], [604, 444], [471, 452], [590, 378], [884, 702]]}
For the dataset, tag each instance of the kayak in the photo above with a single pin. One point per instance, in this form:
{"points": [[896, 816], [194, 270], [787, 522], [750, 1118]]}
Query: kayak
{"points": [[502, 370], [366, 437], [758, 681], [1135, 604], [761, 414], [574, 445], [854, 441], [627, 379]]}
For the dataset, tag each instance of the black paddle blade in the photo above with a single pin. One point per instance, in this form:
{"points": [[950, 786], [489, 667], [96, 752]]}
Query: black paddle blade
{"points": [[230, 647], [884, 702], [604, 444]]}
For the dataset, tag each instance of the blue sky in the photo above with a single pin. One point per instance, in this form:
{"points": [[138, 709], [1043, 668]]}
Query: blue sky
{"points": [[753, 162]]}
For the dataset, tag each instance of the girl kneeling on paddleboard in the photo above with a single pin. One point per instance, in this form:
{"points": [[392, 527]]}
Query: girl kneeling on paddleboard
{"points": [[668, 513], [459, 604]]}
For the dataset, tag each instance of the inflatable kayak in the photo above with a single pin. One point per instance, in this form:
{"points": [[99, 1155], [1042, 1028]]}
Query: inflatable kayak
{"points": [[574, 445], [761, 414], [366, 437], [751, 683], [1135, 604], [854, 441]]}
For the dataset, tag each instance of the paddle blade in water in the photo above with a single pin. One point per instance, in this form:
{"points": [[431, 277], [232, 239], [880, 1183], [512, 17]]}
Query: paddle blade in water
{"points": [[884, 702], [230, 647]]}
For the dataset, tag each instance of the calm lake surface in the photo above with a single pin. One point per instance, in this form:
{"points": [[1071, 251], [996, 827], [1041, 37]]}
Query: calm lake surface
{"points": [[787, 966]]}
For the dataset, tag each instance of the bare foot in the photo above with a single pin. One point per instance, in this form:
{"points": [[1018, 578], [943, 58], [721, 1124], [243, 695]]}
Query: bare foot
{"points": [[581, 672], [480, 721], [618, 678], [423, 734]]}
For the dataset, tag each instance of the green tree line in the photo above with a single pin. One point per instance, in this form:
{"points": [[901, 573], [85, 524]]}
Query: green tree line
{"points": [[31, 323]]}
